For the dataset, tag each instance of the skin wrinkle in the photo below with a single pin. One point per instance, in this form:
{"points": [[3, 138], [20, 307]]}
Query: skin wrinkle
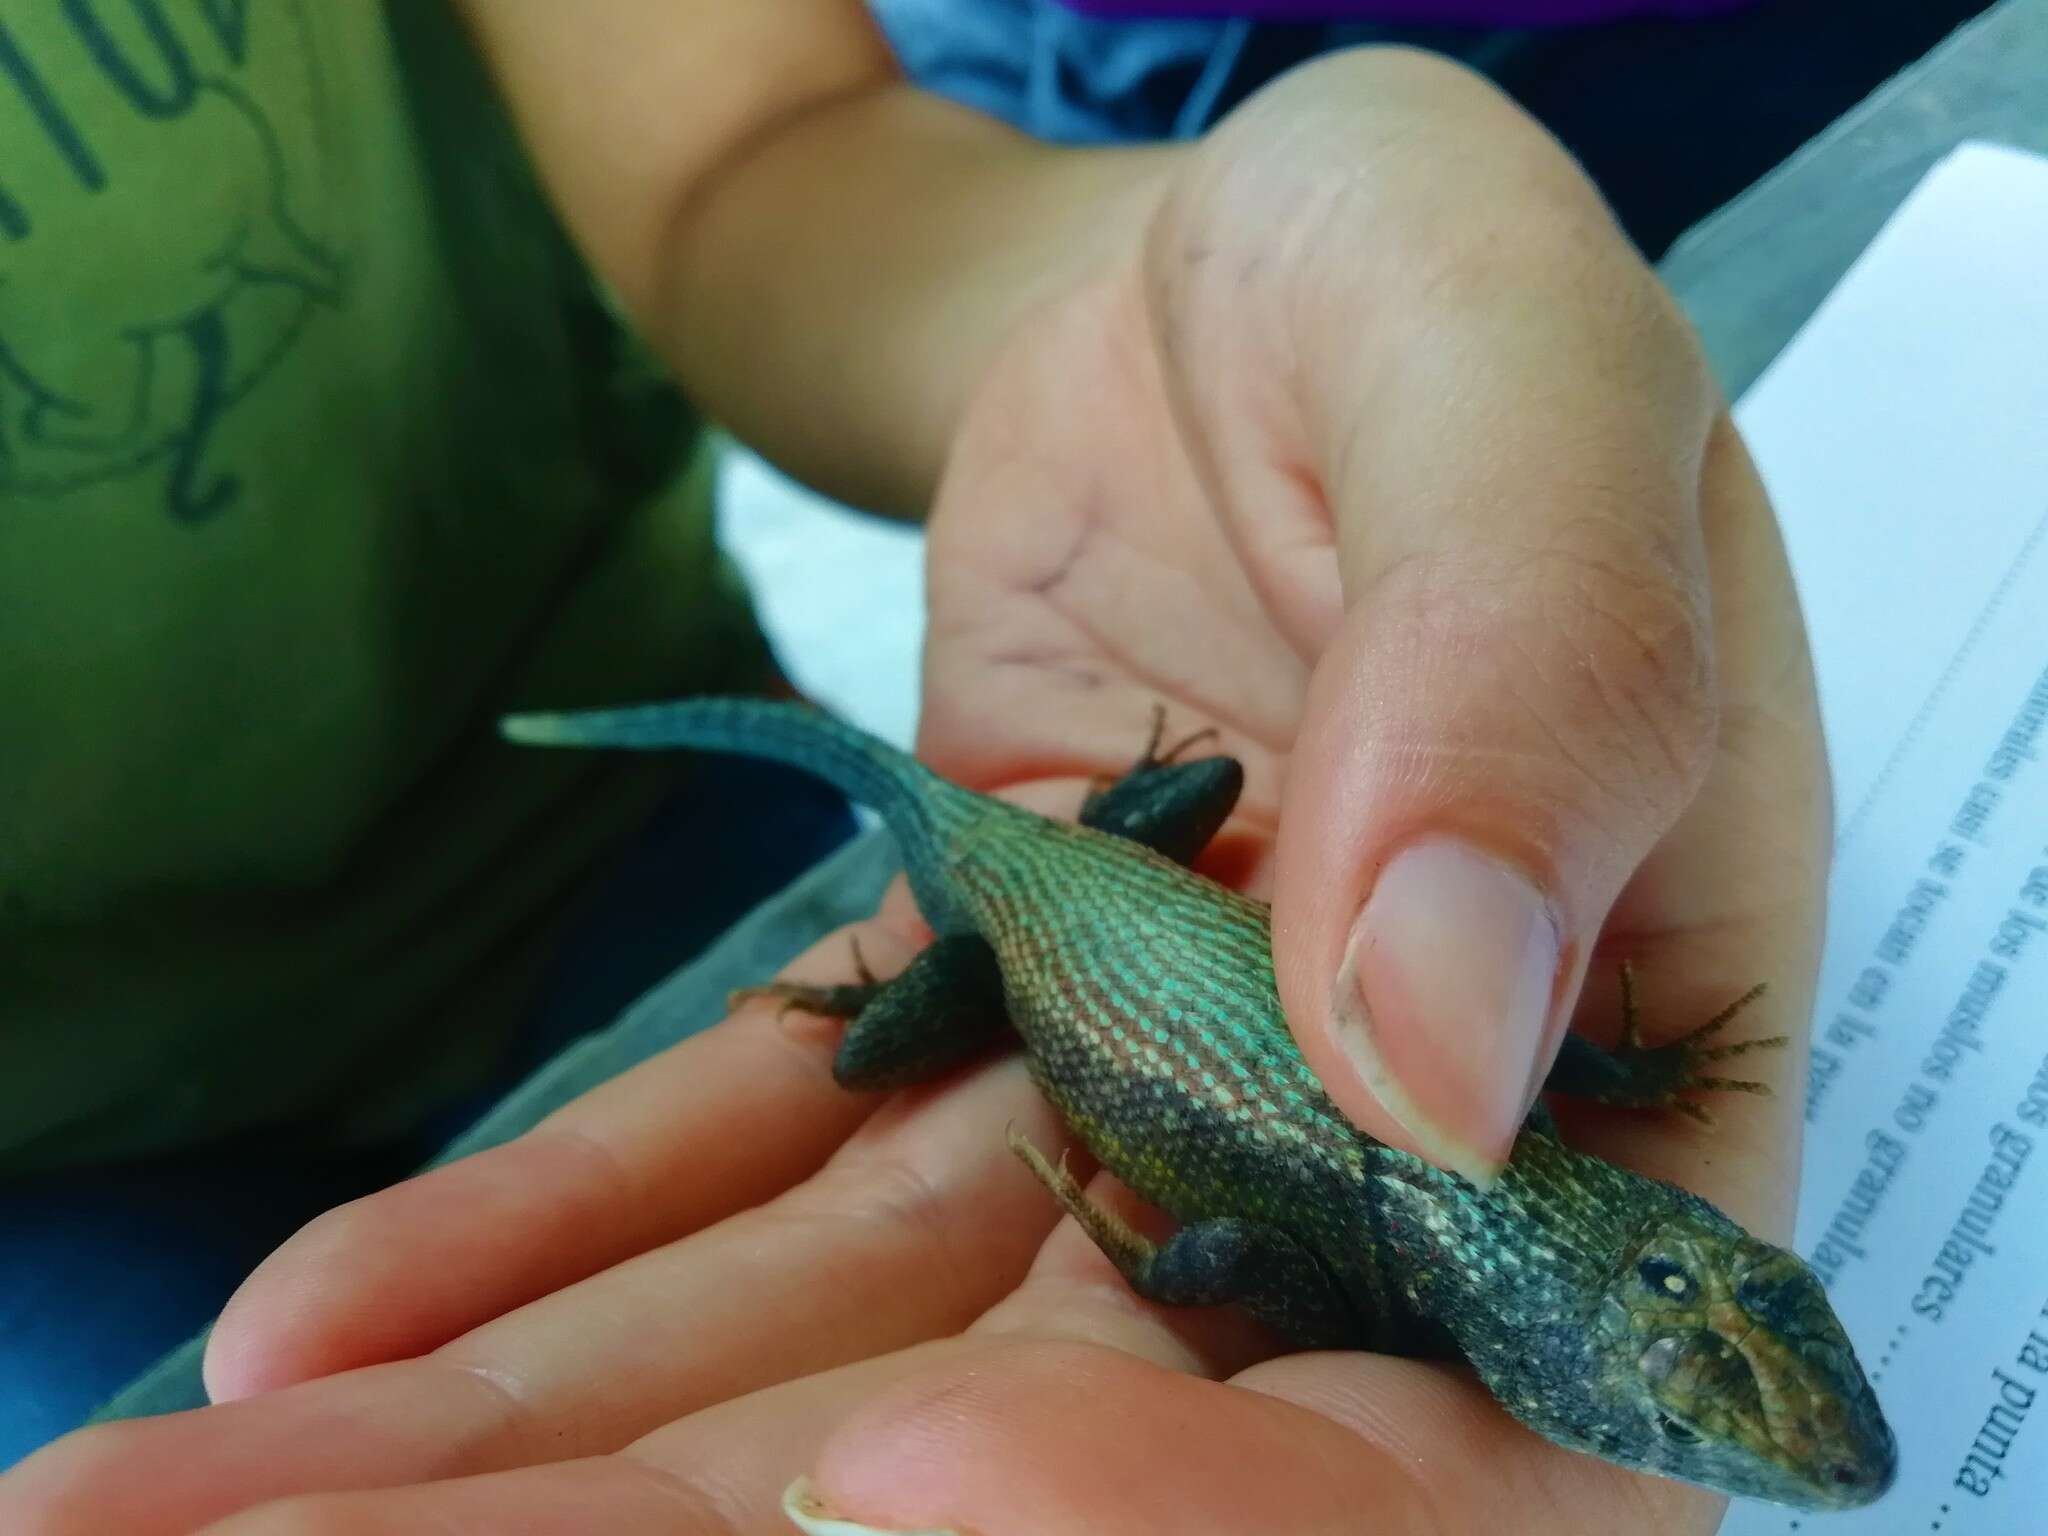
{"points": [[1657, 571], [585, 1146], [1163, 316], [1045, 586], [1048, 662], [1685, 736], [1436, 601], [518, 1421], [1089, 638], [711, 1507], [1423, 1496], [1743, 719], [1149, 563], [1143, 676], [1691, 721], [1776, 865], [1563, 745], [1105, 1310], [908, 1197]]}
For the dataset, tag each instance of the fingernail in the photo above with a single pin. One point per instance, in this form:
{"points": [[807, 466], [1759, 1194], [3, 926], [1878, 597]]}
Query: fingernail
{"points": [[1443, 1000], [809, 1513]]}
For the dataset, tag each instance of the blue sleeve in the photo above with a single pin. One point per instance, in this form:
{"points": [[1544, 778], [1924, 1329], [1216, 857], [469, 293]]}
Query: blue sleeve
{"points": [[1066, 77]]}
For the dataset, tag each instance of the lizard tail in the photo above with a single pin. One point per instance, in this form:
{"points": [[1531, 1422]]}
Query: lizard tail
{"points": [[921, 809]]}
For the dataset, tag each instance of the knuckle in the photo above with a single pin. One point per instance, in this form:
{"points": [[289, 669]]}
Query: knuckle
{"points": [[1594, 656], [889, 1188], [1624, 678], [1639, 648], [888, 1197]]}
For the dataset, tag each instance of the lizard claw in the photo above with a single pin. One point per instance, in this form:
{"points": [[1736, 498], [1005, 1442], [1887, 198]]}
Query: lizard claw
{"points": [[1662, 1076], [774, 992], [1155, 757], [1124, 1244], [840, 1000], [860, 964]]}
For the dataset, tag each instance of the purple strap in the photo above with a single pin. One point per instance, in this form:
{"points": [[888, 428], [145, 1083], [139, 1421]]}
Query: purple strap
{"points": [[1515, 13]]}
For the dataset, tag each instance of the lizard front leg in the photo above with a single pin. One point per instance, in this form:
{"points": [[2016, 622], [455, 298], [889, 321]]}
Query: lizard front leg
{"points": [[1227, 1261], [1636, 1076], [1172, 807]]}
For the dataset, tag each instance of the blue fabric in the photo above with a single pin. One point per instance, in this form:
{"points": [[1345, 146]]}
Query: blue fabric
{"points": [[1671, 118], [1056, 75], [102, 1270]]}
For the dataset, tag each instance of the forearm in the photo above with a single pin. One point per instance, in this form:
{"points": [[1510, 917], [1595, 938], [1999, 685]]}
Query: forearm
{"points": [[826, 256], [839, 292]]}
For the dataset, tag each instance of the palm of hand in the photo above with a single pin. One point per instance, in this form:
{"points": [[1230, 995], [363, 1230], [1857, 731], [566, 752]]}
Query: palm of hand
{"points": [[1078, 578]]}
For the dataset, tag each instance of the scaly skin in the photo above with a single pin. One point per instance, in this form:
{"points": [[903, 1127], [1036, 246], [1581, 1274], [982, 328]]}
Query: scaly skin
{"points": [[1609, 1312]]}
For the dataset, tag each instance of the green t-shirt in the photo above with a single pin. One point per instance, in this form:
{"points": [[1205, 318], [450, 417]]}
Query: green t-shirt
{"points": [[318, 449]]}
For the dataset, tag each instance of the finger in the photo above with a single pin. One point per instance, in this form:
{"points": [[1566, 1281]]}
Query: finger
{"points": [[723, 1468], [725, 1473], [1015, 1446], [616, 1495], [919, 1223], [715, 1473], [1736, 893], [665, 1149], [745, 1452], [1514, 697]]}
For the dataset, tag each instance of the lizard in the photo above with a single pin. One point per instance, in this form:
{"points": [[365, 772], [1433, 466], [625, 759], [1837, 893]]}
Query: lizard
{"points": [[1610, 1312]]}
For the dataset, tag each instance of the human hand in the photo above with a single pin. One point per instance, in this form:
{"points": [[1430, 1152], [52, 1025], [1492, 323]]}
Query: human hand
{"points": [[1383, 455]]}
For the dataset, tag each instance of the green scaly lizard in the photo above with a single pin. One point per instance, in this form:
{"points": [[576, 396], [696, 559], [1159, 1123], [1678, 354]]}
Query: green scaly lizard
{"points": [[1609, 1312]]}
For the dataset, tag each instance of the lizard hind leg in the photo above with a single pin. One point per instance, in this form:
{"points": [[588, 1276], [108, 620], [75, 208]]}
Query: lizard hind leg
{"points": [[1223, 1261], [944, 1010]]}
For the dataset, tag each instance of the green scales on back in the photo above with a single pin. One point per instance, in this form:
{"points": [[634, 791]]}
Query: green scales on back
{"points": [[1610, 1312], [1155, 1028]]}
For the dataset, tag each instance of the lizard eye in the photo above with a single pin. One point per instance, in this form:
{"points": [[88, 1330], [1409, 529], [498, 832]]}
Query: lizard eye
{"points": [[1675, 1432], [1667, 1278]]}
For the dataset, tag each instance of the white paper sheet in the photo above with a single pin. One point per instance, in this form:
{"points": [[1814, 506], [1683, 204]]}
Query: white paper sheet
{"points": [[1904, 436], [840, 594]]}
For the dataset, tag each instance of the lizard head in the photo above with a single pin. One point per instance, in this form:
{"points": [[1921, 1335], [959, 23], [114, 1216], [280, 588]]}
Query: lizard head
{"points": [[1738, 1372]]}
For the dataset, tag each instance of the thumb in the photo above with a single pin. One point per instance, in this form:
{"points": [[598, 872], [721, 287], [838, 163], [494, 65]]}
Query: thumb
{"points": [[1492, 745], [1463, 470]]}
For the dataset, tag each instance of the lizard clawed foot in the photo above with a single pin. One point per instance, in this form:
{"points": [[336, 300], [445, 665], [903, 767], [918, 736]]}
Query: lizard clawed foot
{"points": [[1154, 755], [841, 1001], [1126, 1247], [1661, 1077]]}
